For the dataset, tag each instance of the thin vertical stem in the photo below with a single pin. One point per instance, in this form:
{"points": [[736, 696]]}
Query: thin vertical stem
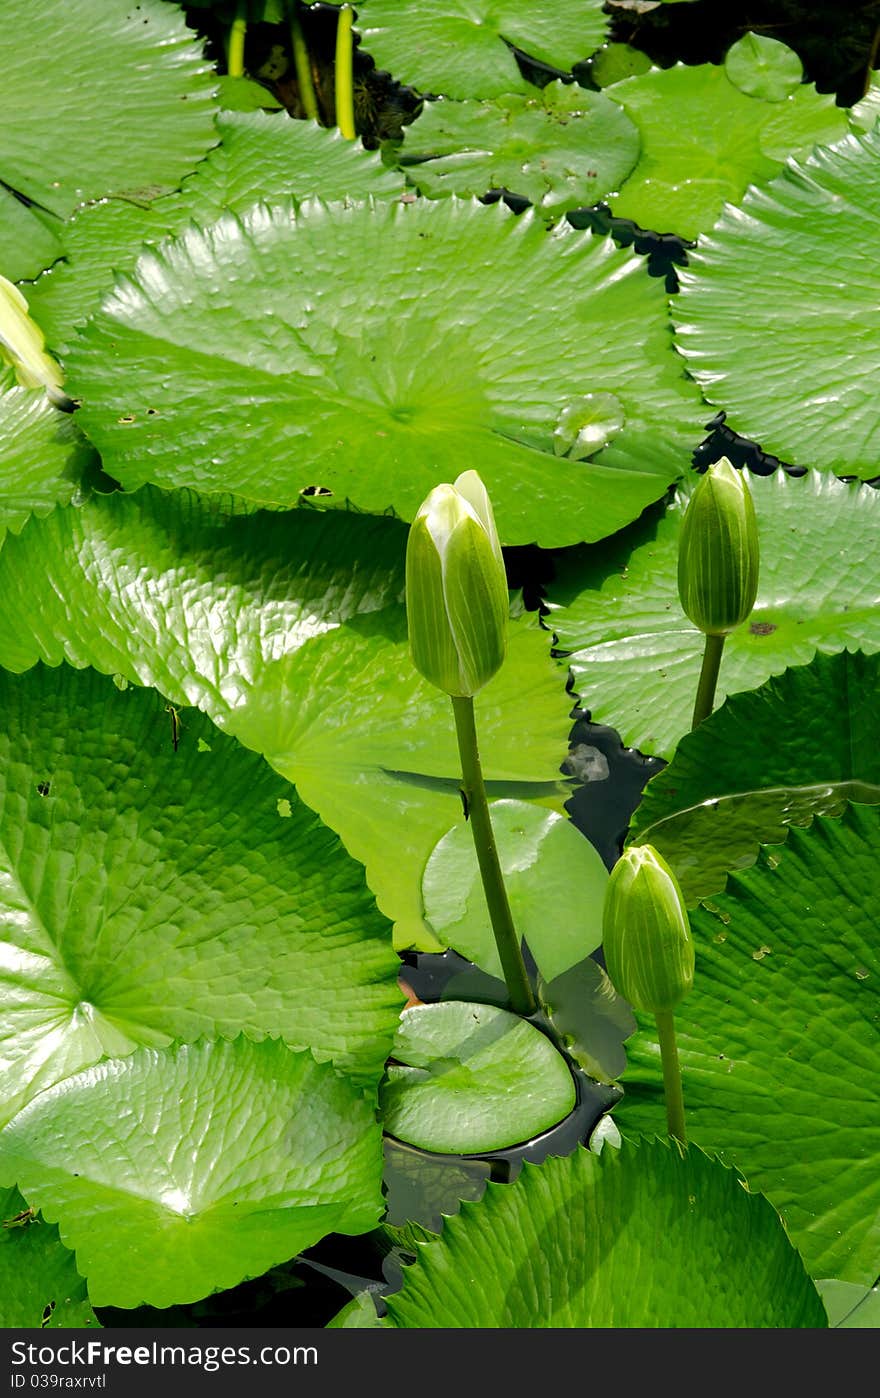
{"points": [[708, 679], [304, 81], [344, 73], [235, 52], [518, 988], [671, 1076]]}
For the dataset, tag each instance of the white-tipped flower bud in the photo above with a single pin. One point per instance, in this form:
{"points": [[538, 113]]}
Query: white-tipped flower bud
{"points": [[21, 345], [646, 936], [718, 551], [456, 588]]}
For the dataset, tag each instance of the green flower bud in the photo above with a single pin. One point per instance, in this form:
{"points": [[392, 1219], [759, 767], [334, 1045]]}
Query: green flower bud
{"points": [[456, 588], [21, 345], [718, 551], [646, 936]]}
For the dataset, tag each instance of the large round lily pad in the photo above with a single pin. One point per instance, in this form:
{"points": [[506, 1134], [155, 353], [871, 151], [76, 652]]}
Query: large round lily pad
{"points": [[638, 1237], [635, 656], [254, 356], [151, 889], [181, 1171], [259, 157], [466, 1078], [779, 1040], [797, 372]]}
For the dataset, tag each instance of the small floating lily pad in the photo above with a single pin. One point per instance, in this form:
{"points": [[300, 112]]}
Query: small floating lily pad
{"points": [[469, 1078], [555, 881]]}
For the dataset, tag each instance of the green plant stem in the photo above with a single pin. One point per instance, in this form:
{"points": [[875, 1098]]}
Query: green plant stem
{"points": [[518, 988], [708, 678], [671, 1076], [235, 55], [344, 73], [307, 95]]}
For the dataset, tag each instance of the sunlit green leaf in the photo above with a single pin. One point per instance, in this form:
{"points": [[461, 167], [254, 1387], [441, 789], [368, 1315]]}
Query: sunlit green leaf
{"points": [[468, 1078], [75, 75], [705, 140], [176, 1172], [793, 373], [233, 362]]}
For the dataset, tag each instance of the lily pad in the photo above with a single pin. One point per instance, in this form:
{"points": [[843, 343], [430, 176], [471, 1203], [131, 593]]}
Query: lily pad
{"points": [[792, 374], [761, 66], [778, 1040], [259, 157], [235, 611], [465, 48], [146, 898], [234, 361], [635, 657], [705, 139], [802, 745], [555, 882], [850, 1307], [560, 148], [468, 1078], [40, 1287], [178, 1172], [74, 71], [42, 455], [628, 1239], [29, 238], [592, 1019]]}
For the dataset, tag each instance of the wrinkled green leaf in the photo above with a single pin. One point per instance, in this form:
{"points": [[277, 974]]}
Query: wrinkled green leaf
{"points": [[260, 157], [778, 1040], [148, 893], [627, 1239], [233, 362], [42, 455], [177, 1172], [561, 148], [74, 73], [236, 613], [792, 373]]}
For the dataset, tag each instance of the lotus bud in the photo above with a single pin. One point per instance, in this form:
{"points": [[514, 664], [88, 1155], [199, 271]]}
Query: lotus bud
{"points": [[646, 936], [21, 345], [718, 551], [456, 588]]}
